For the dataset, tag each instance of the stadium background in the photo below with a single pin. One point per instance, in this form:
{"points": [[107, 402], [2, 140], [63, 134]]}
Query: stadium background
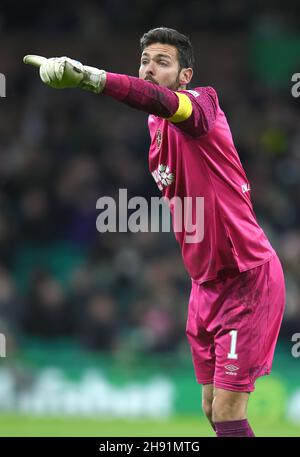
{"points": [[94, 323]]}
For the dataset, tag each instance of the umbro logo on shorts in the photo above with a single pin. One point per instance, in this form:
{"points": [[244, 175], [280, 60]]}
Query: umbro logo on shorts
{"points": [[231, 368]]}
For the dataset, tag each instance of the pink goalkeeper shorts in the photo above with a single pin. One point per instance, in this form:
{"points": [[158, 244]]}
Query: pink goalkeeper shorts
{"points": [[233, 325]]}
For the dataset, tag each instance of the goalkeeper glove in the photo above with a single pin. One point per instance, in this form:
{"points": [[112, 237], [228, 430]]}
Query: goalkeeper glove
{"points": [[62, 72]]}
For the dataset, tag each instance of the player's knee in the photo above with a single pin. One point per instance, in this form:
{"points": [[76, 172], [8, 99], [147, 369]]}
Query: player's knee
{"points": [[225, 410], [207, 408]]}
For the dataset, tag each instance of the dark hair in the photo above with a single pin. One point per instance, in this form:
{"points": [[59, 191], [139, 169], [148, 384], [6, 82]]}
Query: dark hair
{"points": [[165, 35]]}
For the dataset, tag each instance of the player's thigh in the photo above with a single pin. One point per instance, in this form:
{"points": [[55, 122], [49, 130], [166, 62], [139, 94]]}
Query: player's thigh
{"points": [[250, 311], [201, 341]]}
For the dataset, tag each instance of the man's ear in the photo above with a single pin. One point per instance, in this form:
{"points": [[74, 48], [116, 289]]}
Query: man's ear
{"points": [[185, 76]]}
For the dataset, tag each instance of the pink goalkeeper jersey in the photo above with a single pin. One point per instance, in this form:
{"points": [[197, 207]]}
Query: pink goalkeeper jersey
{"points": [[208, 166]]}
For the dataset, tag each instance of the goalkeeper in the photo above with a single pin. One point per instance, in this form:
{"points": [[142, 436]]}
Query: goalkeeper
{"points": [[238, 294]]}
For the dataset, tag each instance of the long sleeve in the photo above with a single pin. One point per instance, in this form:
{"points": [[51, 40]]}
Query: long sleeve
{"points": [[143, 95], [193, 112]]}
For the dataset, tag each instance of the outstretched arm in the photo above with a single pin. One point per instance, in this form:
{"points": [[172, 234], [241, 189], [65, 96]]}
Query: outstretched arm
{"points": [[193, 112]]}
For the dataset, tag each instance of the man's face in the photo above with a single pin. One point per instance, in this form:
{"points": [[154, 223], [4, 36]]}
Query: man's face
{"points": [[160, 65]]}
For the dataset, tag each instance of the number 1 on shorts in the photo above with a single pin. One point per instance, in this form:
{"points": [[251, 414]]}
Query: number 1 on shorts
{"points": [[232, 354]]}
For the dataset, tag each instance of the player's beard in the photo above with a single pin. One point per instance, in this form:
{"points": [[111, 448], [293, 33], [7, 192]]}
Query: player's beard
{"points": [[152, 80], [172, 86], [176, 84]]}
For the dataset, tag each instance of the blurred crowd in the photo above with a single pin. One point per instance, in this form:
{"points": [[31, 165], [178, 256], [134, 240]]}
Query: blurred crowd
{"points": [[62, 150]]}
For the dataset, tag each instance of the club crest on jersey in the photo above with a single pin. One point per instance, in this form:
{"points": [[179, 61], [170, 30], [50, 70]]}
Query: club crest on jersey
{"points": [[158, 138], [162, 176]]}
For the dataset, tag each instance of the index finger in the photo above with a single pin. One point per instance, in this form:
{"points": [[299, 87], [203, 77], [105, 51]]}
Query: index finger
{"points": [[36, 61]]}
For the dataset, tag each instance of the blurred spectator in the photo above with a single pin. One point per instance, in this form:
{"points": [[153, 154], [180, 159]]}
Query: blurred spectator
{"points": [[10, 305], [99, 323], [47, 312]]}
